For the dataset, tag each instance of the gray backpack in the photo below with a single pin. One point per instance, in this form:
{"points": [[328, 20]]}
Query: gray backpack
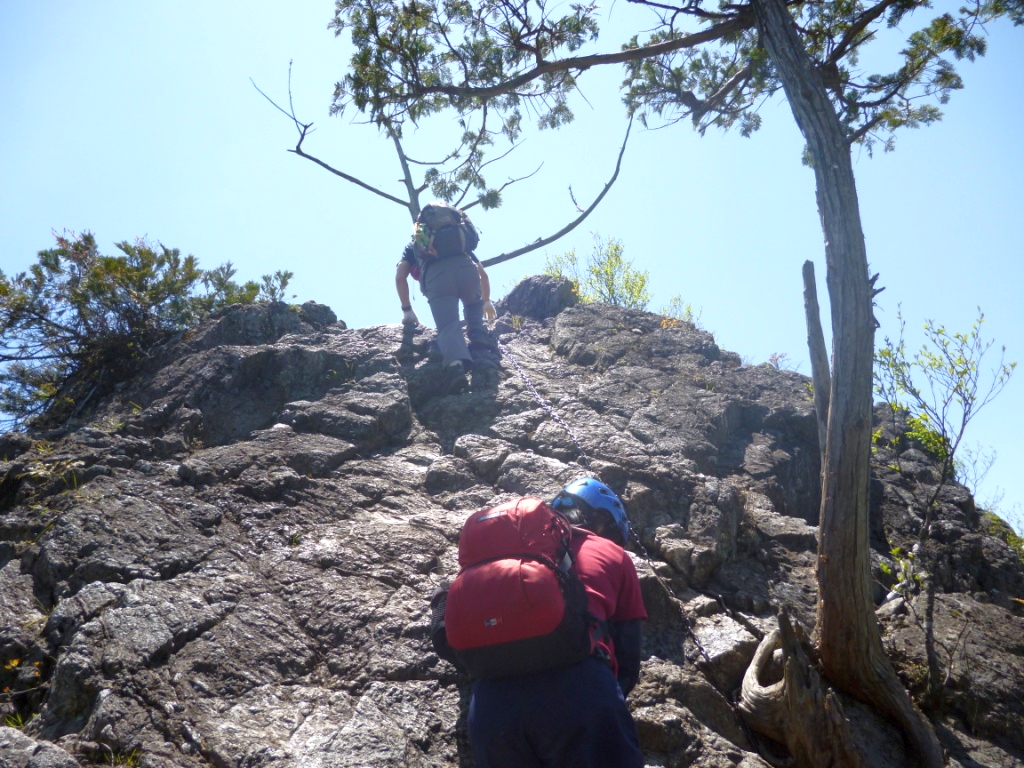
{"points": [[443, 230]]}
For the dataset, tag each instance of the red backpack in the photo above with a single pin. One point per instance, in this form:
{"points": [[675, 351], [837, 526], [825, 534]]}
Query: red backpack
{"points": [[516, 606]]}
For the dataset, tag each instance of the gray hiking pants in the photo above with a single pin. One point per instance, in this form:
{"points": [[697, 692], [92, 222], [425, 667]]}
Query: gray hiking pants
{"points": [[446, 282]]}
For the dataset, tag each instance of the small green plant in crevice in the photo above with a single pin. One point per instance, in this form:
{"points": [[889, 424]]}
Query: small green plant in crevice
{"points": [[43, 608], [43, 448], [17, 720], [108, 425], [916, 676], [908, 580], [41, 472], [679, 311], [34, 624], [50, 524], [16, 677], [129, 759], [345, 375]]}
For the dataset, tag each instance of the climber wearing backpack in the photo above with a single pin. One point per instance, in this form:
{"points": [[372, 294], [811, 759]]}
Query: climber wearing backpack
{"points": [[545, 616], [441, 257]]}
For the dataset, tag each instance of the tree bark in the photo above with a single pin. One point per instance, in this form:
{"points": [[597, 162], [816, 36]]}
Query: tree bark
{"points": [[820, 376], [846, 631], [798, 710]]}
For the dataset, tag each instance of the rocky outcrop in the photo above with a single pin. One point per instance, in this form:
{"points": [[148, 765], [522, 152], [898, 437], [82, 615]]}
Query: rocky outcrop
{"points": [[230, 563]]}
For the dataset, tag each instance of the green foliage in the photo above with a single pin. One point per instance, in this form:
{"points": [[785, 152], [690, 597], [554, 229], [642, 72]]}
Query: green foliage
{"points": [[679, 311], [943, 386], [608, 277], [699, 63], [1012, 8], [78, 315], [16, 720], [567, 266], [1005, 531], [931, 440], [16, 677], [125, 759], [908, 580], [423, 48]]}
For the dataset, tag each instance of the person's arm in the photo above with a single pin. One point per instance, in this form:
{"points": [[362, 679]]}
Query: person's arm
{"points": [[628, 639], [626, 627], [485, 290], [402, 287]]}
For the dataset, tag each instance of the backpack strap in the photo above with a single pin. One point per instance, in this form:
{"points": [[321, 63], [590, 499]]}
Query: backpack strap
{"points": [[438, 633], [598, 628]]}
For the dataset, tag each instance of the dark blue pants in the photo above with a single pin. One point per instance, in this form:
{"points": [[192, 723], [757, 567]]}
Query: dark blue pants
{"points": [[572, 717]]}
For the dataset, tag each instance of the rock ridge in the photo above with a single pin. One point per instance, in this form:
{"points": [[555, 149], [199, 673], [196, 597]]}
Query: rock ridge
{"points": [[229, 562]]}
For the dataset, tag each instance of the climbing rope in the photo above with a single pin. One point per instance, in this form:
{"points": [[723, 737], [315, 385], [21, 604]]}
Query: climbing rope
{"points": [[585, 461]]}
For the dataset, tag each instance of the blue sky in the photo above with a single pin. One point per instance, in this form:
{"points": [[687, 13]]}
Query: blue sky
{"points": [[136, 119]]}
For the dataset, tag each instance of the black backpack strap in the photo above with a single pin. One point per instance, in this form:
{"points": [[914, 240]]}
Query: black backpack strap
{"points": [[438, 635]]}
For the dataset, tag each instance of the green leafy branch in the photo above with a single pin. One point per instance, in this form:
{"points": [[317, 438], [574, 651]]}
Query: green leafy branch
{"points": [[79, 317], [943, 387]]}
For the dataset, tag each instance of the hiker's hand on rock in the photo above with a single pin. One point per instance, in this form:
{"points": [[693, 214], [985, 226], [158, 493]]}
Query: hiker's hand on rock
{"points": [[489, 313], [409, 317]]}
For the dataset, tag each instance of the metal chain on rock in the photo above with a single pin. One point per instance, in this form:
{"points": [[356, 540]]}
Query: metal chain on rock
{"points": [[671, 596], [584, 459]]}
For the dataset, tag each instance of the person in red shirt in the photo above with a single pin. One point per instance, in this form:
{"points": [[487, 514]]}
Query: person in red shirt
{"points": [[575, 716]]}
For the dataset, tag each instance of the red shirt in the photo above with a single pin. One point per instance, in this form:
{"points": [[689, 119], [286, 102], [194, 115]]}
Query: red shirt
{"points": [[613, 589]]}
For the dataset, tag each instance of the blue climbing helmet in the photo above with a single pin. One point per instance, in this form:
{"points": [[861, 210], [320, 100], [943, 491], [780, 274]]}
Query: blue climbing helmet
{"points": [[584, 499]]}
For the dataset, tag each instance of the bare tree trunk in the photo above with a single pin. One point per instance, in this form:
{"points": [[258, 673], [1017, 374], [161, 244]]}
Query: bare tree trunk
{"points": [[848, 641], [820, 375], [798, 709]]}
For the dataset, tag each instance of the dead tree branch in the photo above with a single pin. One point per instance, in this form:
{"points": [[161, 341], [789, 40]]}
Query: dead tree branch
{"points": [[541, 242]]}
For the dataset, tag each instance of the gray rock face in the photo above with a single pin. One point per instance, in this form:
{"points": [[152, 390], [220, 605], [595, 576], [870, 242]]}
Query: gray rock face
{"points": [[230, 563], [538, 298]]}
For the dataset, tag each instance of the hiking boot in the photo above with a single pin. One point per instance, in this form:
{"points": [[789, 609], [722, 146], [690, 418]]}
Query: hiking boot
{"points": [[453, 381]]}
